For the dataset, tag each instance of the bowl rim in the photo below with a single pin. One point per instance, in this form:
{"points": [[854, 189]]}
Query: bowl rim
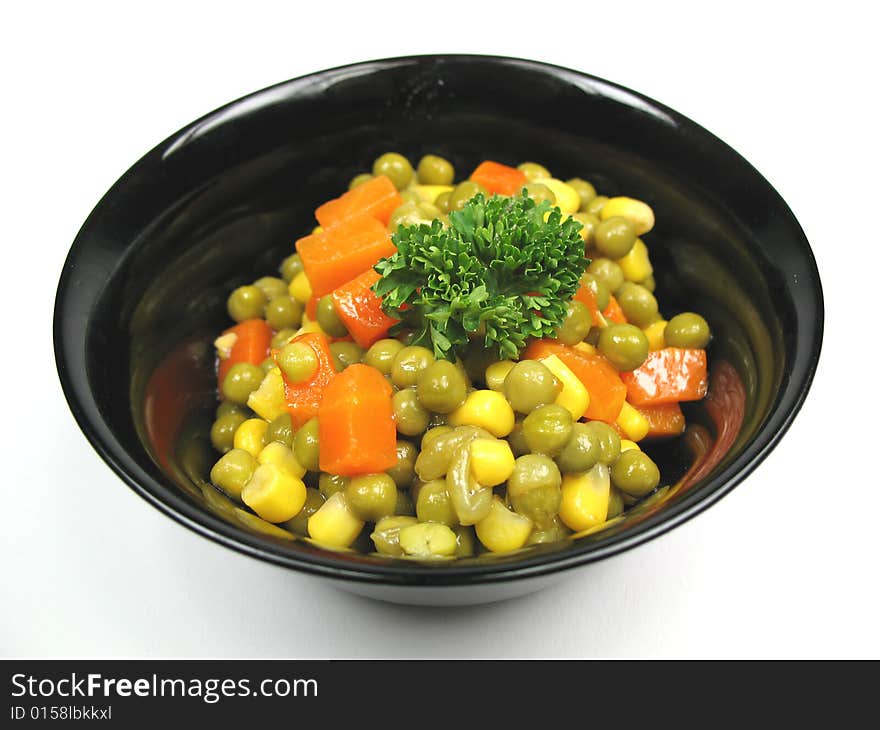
{"points": [[70, 364]]}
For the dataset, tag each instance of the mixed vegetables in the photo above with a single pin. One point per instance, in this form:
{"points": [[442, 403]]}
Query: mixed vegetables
{"points": [[445, 369]]}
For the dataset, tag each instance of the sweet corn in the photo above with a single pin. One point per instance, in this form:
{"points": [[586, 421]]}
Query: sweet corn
{"points": [[430, 193], [310, 326], [626, 445], [487, 409], [633, 423], [654, 333], [636, 265], [260, 525], [427, 540], [224, 345], [300, 288], [334, 524], [497, 372], [586, 348], [492, 461], [386, 536], [268, 400], [585, 498], [567, 198], [502, 530], [573, 396], [251, 436], [635, 211], [278, 454], [317, 229], [274, 493]]}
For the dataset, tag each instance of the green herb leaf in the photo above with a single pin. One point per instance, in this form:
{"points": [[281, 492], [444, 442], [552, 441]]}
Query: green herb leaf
{"points": [[499, 272]]}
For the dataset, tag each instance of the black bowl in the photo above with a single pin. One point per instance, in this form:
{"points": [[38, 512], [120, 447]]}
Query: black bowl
{"points": [[221, 202]]}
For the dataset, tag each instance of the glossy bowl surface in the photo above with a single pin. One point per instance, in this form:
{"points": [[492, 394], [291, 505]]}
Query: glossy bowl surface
{"points": [[222, 201]]}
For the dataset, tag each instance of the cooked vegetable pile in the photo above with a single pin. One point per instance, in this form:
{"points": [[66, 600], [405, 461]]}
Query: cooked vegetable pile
{"points": [[448, 369]]}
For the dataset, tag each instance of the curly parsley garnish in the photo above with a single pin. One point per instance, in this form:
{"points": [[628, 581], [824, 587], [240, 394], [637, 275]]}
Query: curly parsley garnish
{"points": [[499, 271]]}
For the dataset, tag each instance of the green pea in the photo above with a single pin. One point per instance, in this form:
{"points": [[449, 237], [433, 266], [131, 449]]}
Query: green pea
{"points": [[608, 272], [635, 473], [329, 484], [547, 429], [298, 362], [411, 213], [596, 204], [581, 451], [371, 496], [586, 192], [300, 523], [517, 439], [533, 471], [282, 337], [649, 283], [246, 302], [267, 365], [553, 531], [688, 330], [607, 439], [359, 179], [386, 536], [441, 386], [434, 170], [345, 354], [223, 431], [615, 504], [599, 290], [241, 380], [539, 193], [281, 430], [466, 539], [233, 470], [411, 416], [408, 363], [576, 324], [442, 202], [434, 504], [463, 192], [284, 312], [290, 267], [381, 355], [528, 385], [625, 345], [533, 171], [328, 318], [496, 373], [638, 304], [404, 506], [226, 407], [395, 167], [271, 286], [540, 504], [615, 237], [589, 223], [306, 446], [404, 471]]}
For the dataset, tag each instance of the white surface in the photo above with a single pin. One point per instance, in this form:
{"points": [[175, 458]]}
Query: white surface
{"points": [[784, 566]]}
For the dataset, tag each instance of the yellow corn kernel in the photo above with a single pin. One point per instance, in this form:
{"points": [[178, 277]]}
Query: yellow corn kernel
{"points": [[502, 530], [278, 454], [310, 326], [251, 436], [585, 498], [492, 461], [268, 400], [334, 524], [224, 345], [427, 540], [626, 445], [654, 332], [487, 409], [274, 493], [586, 348], [257, 524], [567, 198], [300, 288], [636, 265], [430, 193], [317, 229], [497, 372], [573, 396], [635, 211], [633, 423]]}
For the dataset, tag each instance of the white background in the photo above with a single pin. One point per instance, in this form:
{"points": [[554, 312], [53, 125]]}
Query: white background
{"points": [[784, 566]]}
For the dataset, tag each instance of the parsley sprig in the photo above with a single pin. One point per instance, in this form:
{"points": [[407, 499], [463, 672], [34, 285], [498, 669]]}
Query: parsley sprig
{"points": [[498, 271]]}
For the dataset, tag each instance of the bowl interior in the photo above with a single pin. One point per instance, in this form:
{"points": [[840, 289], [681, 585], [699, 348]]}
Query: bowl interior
{"points": [[223, 201]]}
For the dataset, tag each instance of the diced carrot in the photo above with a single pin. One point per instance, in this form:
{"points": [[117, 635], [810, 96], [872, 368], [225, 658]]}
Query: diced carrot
{"points": [[664, 419], [376, 198], [670, 375], [312, 308], [600, 377], [304, 398], [498, 178], [361, 310], [585, 296], [613, 312], [252, 338], [356, 424], [337, 255]]}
